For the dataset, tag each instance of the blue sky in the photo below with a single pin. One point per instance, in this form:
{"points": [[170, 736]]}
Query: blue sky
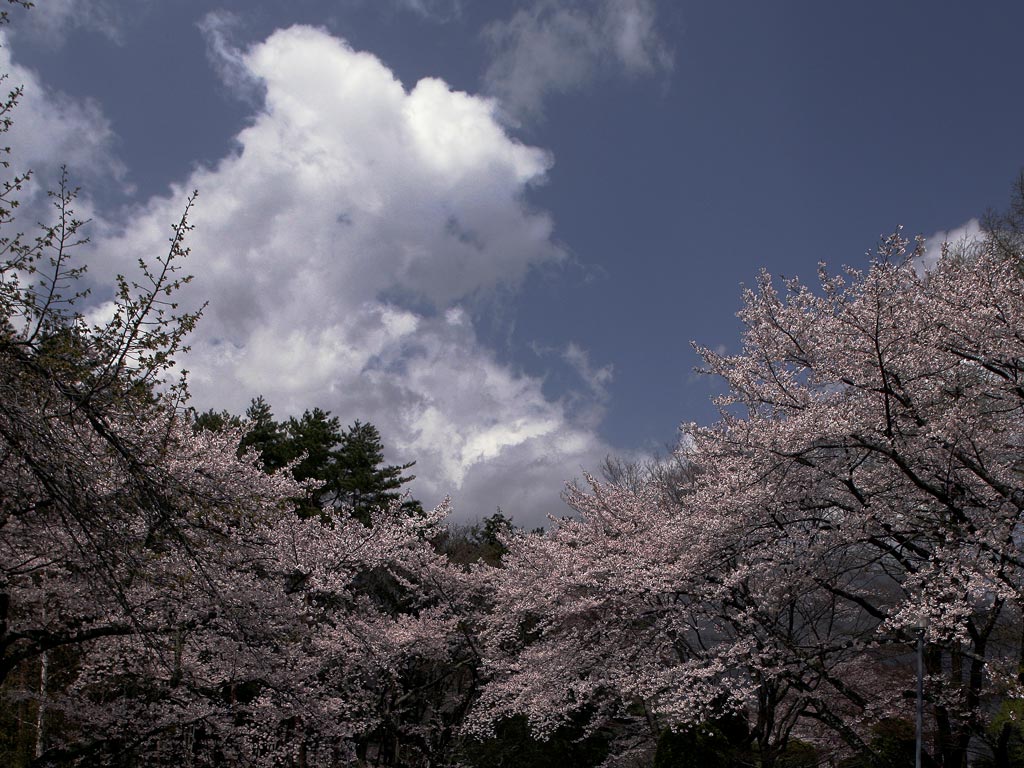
{"points": [[493, 228]]}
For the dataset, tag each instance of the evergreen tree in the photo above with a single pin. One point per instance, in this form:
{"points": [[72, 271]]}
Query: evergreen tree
{"points": [[364, 486], [479, 542], [265, 436], [215, 421], [313, 439], [346, 466]]}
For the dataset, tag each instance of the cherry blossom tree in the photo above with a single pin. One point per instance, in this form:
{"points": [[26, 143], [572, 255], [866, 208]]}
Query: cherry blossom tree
{"points": [[173, 604], [866, 476], [881, 447], [124, 536], [193, 616], [161, 602]]}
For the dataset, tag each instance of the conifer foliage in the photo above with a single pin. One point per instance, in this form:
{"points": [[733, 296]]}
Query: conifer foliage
{"points": [[344, 470]]}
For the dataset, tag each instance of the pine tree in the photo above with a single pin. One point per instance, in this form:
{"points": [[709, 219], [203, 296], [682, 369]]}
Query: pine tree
{"points": [[265, 436], [364, 486], [346, 466], [215, 421], [313, 439]]}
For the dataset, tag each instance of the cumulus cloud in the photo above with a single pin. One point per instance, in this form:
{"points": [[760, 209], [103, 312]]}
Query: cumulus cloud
{"points": [[343, 247], [960, 239], [51, 129], [218, 29], [555, 46]]}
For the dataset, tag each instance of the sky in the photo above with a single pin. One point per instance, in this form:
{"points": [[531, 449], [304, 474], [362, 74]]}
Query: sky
{"points": [[493, 229]]}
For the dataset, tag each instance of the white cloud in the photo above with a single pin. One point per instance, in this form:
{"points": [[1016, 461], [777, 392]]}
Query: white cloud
{"points": [[555, 46], [632, 25], [435, 10], [956, 240], [589, 405], [100, 314], [52, 20], [51, 129], [339, 246], [228, 60], [597, 379]]}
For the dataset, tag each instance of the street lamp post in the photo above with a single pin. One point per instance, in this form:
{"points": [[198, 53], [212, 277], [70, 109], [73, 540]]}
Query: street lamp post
{"points": [[922, 625]]}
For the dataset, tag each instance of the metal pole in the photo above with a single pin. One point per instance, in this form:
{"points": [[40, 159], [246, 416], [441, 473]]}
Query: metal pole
{"points": [[920, 695]]}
